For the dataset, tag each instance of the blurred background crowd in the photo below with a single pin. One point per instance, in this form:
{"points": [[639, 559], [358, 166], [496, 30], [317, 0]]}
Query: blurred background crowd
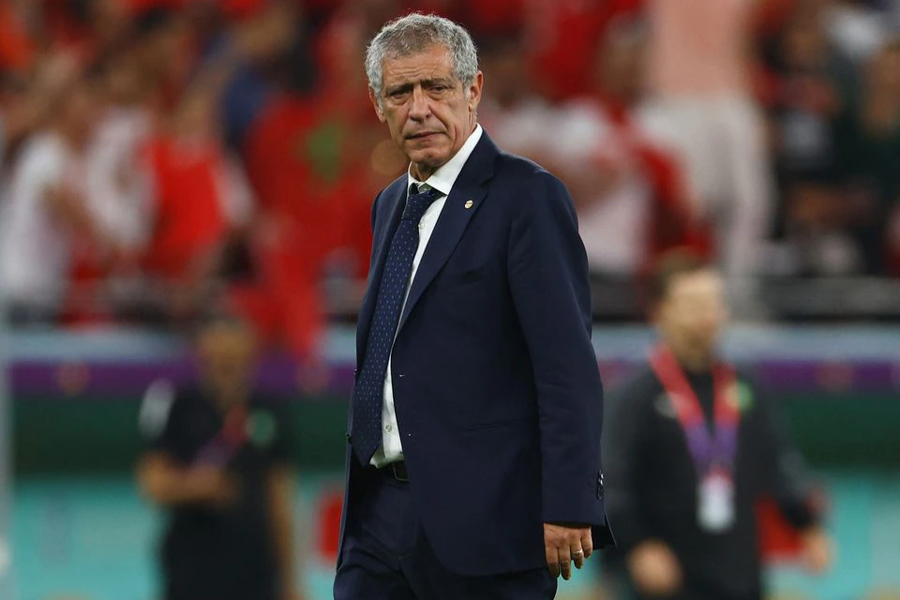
{"points": [[157, 154], [159, 158]]}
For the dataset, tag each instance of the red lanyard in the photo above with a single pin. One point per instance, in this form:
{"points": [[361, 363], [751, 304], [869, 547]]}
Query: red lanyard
{"points": [[708, 449]]}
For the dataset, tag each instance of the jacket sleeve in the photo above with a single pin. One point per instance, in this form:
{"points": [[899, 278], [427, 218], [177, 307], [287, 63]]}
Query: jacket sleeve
{"points": [[548, 278]]}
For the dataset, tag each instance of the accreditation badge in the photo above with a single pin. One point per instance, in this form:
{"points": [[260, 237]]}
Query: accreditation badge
{"points": [[715, 502]]}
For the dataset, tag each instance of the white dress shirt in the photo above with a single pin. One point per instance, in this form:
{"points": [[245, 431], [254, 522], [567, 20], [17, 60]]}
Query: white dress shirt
{"points": [[442, 180]]}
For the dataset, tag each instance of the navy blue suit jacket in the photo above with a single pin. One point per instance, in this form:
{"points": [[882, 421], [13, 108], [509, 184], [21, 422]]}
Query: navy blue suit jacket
{"points": [[496, 386]]}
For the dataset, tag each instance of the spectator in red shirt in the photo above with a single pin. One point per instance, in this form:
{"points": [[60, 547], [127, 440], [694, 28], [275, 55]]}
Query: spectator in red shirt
{"points": [[561, 38], [17, 46], [199, 199], [316, 164], [296, 226]]}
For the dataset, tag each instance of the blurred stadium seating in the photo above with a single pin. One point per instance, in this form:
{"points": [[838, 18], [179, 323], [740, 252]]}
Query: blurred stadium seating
{"points": [[160, 156]]}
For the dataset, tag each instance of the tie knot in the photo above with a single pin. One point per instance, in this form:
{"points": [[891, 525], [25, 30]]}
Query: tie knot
{"points": [[417, 204]]}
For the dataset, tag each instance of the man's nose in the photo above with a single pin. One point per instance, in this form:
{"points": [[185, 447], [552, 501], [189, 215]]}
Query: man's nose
{"points": [[420, 106]]}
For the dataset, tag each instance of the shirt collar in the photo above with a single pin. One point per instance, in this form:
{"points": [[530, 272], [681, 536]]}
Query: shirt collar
{"points": [[443, 179]]}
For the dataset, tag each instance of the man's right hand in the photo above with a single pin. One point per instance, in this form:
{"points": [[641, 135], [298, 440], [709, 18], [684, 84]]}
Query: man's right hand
{"points": [[818, 551], [167, 483], [654, 568], [213, 485]]}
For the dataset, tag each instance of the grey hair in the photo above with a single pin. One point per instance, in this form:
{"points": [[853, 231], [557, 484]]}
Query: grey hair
{"points": [[414, 33]]}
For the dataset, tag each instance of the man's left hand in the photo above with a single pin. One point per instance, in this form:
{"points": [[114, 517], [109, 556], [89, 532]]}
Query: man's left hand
{"points": [[567, 544], [817, 550]]}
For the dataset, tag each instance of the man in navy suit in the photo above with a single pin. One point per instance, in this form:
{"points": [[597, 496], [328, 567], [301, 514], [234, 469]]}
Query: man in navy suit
{"points": [[473, 465]]}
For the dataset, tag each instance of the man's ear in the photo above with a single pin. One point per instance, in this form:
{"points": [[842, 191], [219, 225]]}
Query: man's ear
{"points": [[474, 91], [376, 104]]}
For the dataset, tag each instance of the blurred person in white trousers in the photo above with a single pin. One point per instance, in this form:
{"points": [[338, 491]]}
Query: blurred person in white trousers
{"points": [[702, 108]]}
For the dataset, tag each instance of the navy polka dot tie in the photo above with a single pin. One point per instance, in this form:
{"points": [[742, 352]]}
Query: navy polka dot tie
{"points": [[368, 394]]}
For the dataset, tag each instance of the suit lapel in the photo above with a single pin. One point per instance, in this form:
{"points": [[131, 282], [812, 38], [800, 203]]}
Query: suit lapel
{"points": [[467, 195], [380, 246]]}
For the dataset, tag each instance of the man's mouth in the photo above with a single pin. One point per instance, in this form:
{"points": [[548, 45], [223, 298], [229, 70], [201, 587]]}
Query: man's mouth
{"points": [[421, 136]]}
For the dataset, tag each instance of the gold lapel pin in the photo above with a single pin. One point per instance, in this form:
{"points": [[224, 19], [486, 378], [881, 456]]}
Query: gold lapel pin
{"points": [[469, 204]]}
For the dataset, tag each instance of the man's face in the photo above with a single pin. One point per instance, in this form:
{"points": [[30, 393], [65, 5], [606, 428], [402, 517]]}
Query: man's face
{"points": [[694, 310], [428, 110], [227, 353]]}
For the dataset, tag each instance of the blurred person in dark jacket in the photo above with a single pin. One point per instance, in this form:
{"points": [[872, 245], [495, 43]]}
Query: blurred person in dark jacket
{"points": [[218, 462], [868, 142], [693, 447], [813, 82]]}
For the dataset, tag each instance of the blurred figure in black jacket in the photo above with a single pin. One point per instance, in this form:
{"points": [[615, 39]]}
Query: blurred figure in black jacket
{"points": [[692, 446], [218, 460]]}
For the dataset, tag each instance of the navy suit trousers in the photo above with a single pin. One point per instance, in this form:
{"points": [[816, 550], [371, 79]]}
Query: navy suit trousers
{"points": [[386, 555]]}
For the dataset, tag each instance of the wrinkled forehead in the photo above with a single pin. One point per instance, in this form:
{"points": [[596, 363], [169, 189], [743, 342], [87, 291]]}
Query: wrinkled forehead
{"points": [[429, 64]]}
